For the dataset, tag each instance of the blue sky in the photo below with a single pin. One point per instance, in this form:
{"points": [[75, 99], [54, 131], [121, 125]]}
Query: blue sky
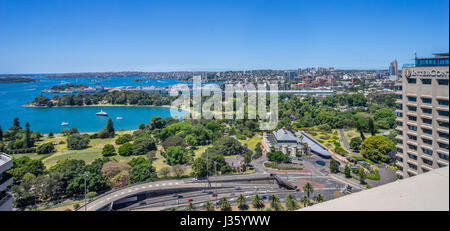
{"points": [[54, 36]]}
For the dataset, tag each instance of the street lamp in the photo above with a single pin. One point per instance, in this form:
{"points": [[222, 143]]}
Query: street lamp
{"points": [[85, 197]]}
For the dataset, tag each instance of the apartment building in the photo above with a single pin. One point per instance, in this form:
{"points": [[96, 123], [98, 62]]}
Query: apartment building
{"points": [[6, 180], [422, 116]]}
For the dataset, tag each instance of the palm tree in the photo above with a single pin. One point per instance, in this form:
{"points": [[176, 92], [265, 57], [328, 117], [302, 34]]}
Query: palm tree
{"points": [[291, 203], [305, 201], [208, 206], [242, 203], [224, 204], [319, 198], [190, 207], [308, 188], [257, 202], [275, 203]]}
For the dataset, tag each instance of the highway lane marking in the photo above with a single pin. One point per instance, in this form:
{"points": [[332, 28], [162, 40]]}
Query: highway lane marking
{"points": [[150, 186], [170, 183], [157, 185]]}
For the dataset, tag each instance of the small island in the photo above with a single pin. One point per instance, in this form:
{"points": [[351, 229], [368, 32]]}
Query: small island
{"points": [[17, 80]]}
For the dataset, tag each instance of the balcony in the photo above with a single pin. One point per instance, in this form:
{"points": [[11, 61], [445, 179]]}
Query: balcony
{"points": [[5, 181], [6, 162]]}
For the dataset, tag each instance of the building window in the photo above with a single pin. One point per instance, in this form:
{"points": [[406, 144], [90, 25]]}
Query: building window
{"points": [[411, 156], [412, 127], [412, 98], [427, 121], [413, 147], [443, 124], [412, 108], [399, 159], [427, 110], [399, 141], [412, 81], [443, 156], [442, 81], [429, 162], [426, 81], [443, 102], [427, 131], [412, 137], [427, 141], [412, 166], [399, 150], [443, 113], [399, 123], [427, 151], [443, 135], [399, 114], [399, 106], [442, 145], [412, 118], [426, 100], [399, 96]]}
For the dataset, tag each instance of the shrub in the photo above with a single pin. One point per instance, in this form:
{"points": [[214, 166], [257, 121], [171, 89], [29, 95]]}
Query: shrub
{"points": [[45, 148], [355, 143], [122, 139], [126, 149], [108, 150], [77, 141]]}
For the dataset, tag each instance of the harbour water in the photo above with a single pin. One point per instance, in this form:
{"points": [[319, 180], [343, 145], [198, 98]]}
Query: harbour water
{"points": [[14, 95]]}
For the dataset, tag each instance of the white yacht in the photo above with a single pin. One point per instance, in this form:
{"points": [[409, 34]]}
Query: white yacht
{"points": [[64, 124], [101, 113]]}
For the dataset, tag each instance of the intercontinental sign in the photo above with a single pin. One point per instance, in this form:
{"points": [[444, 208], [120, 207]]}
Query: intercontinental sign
{"points": [[426, 73]]}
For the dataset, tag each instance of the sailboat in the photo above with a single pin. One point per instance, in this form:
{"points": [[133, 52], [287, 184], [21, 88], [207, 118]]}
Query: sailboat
{"points": [[101, 113], [64, 124]]}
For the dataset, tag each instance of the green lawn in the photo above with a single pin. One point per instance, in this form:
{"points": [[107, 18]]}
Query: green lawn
{"points": [[252, 142]]}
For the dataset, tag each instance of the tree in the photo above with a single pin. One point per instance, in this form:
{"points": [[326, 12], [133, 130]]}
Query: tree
{"points": [[77, 141], [308, 188], [258, 151], [319, 198], [248, 157], [376, 148], [1, 133], [362, 176], [291, 203], [208, 206], [275, 203], [108, 150], [355, 143], [45, 148], [28, 141], [257, 202], [334, 166], [164, 172], [142, 172], [108, 130], [190, 207], [372, 127], [157, 122], [242, 203], [126, 149], [347, 172], [305, 201], [173, 141], [178, 170], [143, 145], [359, 127], [176, 155], [224, 204], [278, 156], [51, 135], [386, 115]]}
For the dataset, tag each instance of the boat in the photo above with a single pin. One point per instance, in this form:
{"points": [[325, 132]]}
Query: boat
{"points": [[64, 124], [119, 118], [101, 113]]}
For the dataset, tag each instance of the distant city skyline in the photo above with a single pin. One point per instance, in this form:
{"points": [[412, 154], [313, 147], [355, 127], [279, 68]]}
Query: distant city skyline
{"points": [[159, 36]]}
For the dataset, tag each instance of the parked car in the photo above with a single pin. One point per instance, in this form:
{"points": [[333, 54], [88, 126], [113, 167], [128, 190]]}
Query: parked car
{"points": [[264, 197], [238, 188], [214, 195], [190, 200]]}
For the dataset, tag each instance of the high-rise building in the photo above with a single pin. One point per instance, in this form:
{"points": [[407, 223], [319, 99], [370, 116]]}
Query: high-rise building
{"points": [[422, 116], [393, 68], [5, 181]]}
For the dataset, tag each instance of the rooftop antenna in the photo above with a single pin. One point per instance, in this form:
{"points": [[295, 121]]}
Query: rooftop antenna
{"points": [[415, 55]]}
